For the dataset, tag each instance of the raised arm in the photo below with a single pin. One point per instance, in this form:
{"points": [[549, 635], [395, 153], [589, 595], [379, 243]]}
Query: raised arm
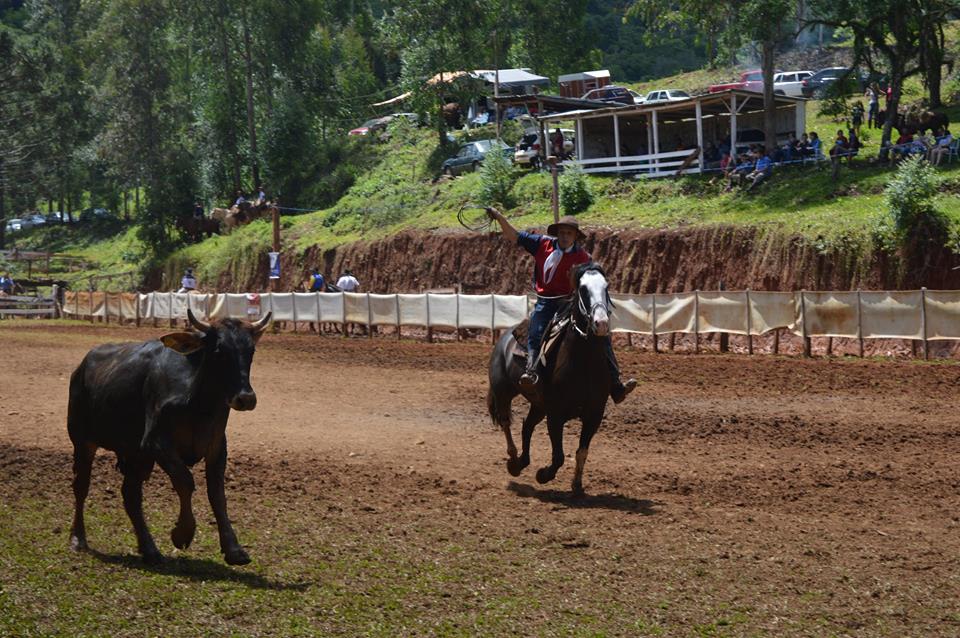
{"points": [[509, 232]]}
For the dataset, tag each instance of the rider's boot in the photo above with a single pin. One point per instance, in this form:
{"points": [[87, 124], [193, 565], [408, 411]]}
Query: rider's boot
{"points": [[529, 379], [620, 390]]}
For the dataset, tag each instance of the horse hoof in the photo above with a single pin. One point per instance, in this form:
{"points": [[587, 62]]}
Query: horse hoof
{"points": [[576, 490], [78, 544], [153, 557], [515, 467], [544, 475], [182, 536], [236, 557]]}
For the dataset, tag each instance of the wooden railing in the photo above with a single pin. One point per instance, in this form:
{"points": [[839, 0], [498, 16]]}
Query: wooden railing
{"points": [[27, 306], [653, 165]]}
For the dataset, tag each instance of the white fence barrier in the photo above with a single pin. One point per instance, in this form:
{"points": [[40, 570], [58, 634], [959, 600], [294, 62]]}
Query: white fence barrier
{"points": [[919, 314]]}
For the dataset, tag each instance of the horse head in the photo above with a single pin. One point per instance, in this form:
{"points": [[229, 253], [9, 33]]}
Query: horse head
{"points": [[592, 310]]}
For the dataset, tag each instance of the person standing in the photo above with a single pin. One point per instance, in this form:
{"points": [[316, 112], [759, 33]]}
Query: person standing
{"points": [[188, 283], [556, 255], [873, 106], [347, 282], [317, 282], [7, 285]]}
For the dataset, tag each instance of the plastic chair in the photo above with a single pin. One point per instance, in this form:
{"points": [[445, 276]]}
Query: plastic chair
{"points": [[954, 150]]}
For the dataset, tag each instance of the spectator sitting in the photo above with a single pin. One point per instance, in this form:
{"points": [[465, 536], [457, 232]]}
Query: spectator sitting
{"points": [[901, 148], [735, 175], [711, 155], [802, 147], [7, 285], [761, 172], [197, 210], [188, 283], [724, 147], [816, 147], [941, 148], [347, 282], [317, 283], [853, 145], [556, 144], [922, 145], [840, 146]]}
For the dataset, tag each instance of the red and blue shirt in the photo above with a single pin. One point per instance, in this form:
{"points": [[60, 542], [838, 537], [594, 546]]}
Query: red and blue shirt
{"points": [[551, 275]]}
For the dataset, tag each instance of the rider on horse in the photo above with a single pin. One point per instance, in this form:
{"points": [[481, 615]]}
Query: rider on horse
{"points": [[557, 253]]}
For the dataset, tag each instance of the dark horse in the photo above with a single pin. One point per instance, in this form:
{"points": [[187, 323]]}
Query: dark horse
{"points": [[577, 383], [195, 227]]}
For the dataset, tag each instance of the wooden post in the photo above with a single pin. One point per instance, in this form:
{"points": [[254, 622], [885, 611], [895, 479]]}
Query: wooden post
{"points": [[343, 313], [829, 346], [369, 318], [696, 321], [673, 340], [429, 327], [91, 305], [171, 309], [724, 337], [859, 324], [106, 307], [749, 325], [699, 115], [493, 319], [397, 305], [294, 298], [319, 316], [923, 323], [137, 309], [653, 328], [457, 322], [555, 195], [803, 324], [616, 137], [276, 246], [776, 341]]}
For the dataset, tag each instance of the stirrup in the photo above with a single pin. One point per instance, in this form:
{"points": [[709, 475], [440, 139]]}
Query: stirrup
{"points": [[529, 380]]}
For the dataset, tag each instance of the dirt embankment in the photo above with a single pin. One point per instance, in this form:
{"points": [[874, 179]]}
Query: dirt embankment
{"points": [[636, 261]]}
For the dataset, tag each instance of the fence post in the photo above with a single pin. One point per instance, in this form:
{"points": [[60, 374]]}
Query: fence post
{"points": [[319, 316], [493, 319], [776, 341], [396, 299], [343, 313], [170, 311], [106, 307], [293, 297], [429, 327], [923, 322], [803, 323], [91, 305], [696, 321], [136, 311], [749, 325], [724, 337], [859, 324], [54, 293], [459, 336], [653, 328], [369, 318]]}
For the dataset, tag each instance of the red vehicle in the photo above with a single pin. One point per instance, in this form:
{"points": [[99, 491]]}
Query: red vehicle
{"points": [[749, 81]]}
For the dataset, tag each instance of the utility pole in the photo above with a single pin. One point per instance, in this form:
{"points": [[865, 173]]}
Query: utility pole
{"points": [[496, 77], [555, 199]]}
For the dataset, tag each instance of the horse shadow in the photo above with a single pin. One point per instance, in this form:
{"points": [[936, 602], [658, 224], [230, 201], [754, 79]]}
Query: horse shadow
{"points": [[197, 569], [615, 502]]}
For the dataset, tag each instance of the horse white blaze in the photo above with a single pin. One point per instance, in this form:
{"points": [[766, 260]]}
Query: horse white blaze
{"points": [[596, 286]]}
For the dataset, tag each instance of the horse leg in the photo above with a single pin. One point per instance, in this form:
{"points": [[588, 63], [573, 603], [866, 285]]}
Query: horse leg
{"points": [[534, 416], [135, 472], [590, 427], [555, 428], [83, 454]]}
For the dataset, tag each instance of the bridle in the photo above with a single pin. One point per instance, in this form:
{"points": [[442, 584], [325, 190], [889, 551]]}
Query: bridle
{"points": [[585, 313]]}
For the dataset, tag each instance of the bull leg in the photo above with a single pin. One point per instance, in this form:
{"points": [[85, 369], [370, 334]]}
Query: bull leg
{"points": [[134, 474], [555, 428], [83, 454], [586, 435], [182, 533], [216, 465], [534, 416]]}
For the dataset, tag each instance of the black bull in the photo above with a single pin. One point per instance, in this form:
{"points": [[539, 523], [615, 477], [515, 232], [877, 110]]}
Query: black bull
{"points": [[167, 402]]}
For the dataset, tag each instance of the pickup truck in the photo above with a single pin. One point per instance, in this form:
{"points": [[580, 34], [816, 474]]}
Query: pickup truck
{"points": [[749, 81]]}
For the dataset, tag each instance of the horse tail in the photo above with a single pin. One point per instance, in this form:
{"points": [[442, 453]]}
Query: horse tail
{"points": [[499, 418], [499, 396]]}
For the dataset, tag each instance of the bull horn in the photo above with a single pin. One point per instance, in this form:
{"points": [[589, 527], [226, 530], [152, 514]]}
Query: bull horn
{"points": [[261, 324], [196, 323]]}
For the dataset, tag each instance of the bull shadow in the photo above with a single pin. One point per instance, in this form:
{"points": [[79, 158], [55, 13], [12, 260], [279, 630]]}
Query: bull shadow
{"points": [[198, 569], [614, 502]]}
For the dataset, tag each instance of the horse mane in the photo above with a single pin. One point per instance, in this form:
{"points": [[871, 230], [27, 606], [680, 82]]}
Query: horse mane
{"points": [[582, 269]]}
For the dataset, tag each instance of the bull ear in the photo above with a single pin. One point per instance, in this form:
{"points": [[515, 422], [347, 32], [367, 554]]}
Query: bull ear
{"points": [[183, 342]]}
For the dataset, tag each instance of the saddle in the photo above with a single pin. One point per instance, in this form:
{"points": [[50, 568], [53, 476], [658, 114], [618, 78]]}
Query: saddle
{"points": [[551, 336]]}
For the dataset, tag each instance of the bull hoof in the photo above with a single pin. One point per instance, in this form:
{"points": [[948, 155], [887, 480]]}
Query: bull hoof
{"points": [[515, 466], [78, 544], [236, 557], [153, 557], [545, 475], [182, 535], [576, 490]]}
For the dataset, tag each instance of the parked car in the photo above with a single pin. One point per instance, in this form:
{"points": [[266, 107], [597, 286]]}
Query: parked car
{"points": [[380, 123], [37, 219], [637, 97], [749, 81], [54, 217], [528, 148], [471, 154], [817, 85], [92, 214], [790, 83], [14, 225], [668, 95], [609, 93]]}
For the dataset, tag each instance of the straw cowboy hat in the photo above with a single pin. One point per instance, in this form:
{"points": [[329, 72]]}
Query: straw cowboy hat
{"points": [[569, 221]]}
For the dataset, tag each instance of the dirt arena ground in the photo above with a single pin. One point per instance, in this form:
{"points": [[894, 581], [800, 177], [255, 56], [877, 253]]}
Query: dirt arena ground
{"points": [[731, 495]]}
